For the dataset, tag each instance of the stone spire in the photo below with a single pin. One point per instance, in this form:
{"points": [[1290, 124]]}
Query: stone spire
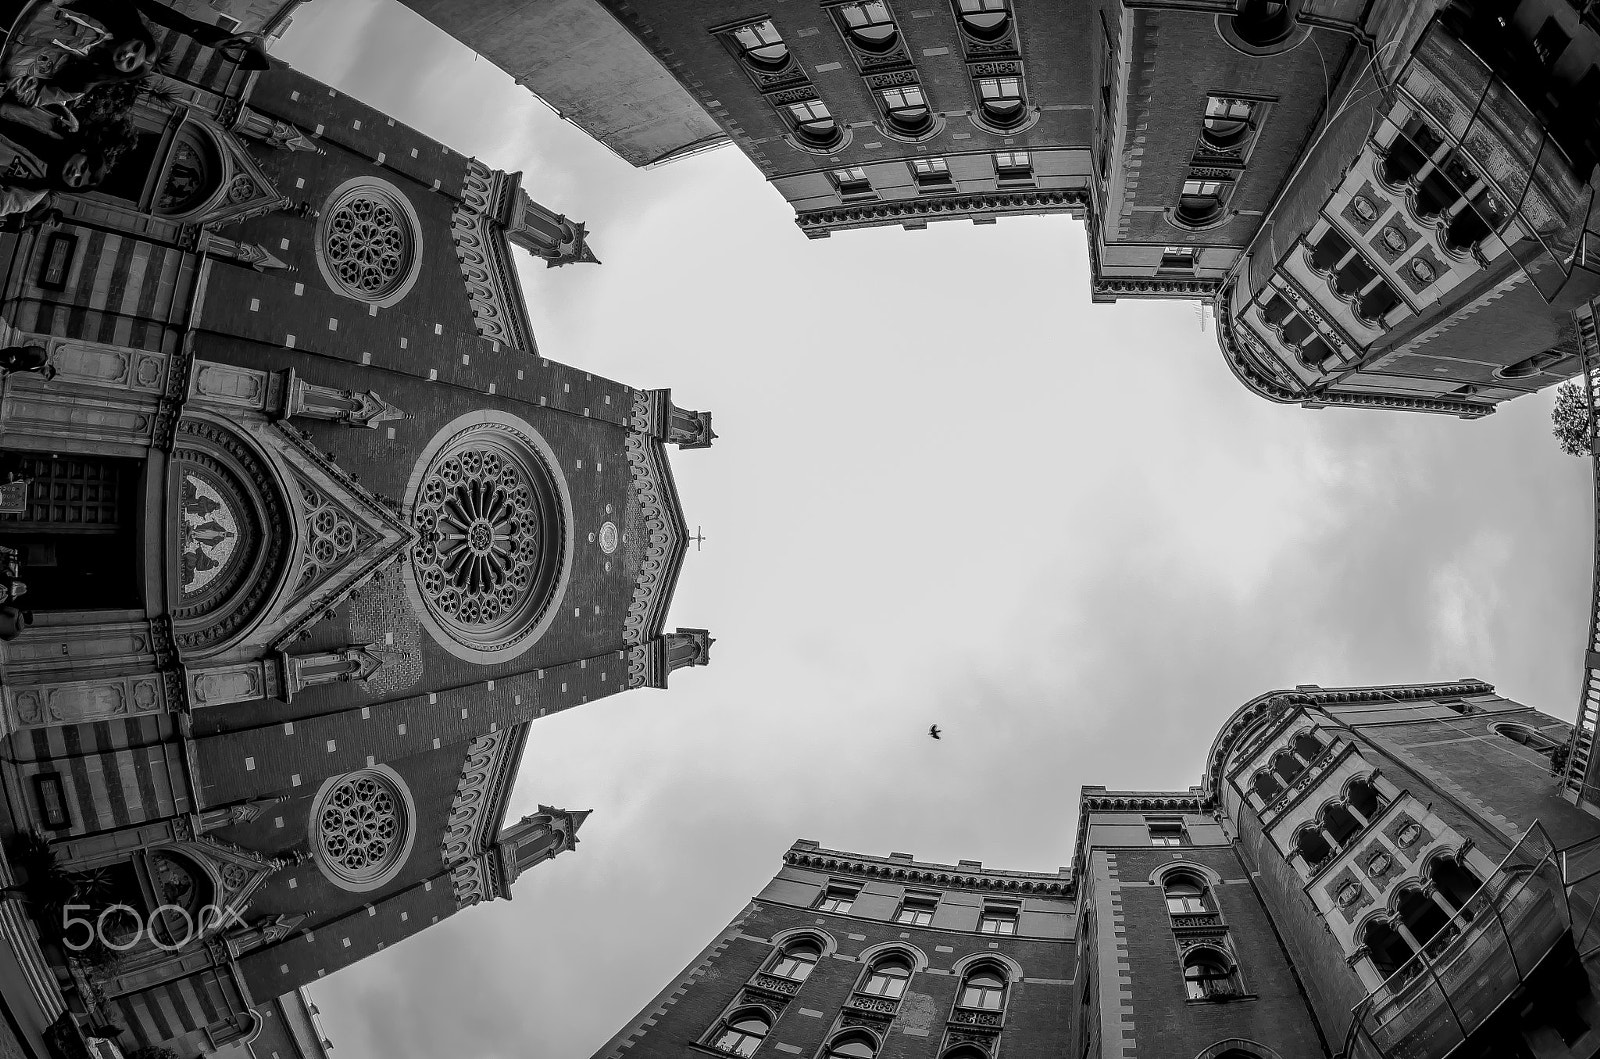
{"points": [[535, 839], [543, 232]]}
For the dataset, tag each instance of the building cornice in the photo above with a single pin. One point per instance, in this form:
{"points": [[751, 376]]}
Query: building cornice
{"points": [[666, 534], [1272, 705], [819, 223], [942, 875], [1111, 288], [1098, 799]]}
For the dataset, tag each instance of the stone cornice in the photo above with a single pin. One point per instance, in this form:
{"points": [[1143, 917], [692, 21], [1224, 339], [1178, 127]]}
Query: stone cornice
{"points": [[498, 308], [1274, 704], [479, 803], [666, 535], [818, 223], [1155, 287], [1098, 799], [943, 875]]}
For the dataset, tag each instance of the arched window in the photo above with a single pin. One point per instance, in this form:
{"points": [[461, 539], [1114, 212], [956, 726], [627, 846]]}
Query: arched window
{"points": [[1227, 122], [1456, 882], [1266, 785], [194, 172], [1534, 365], [1287, 766], [1307, 745], [762, 46], [1521, 733], [1388, 950], [852, 1046], [796, 960], [983, 989], [906, 108], [1263, 23], [1186, 894], [1338, 822], [1200, 203], [870, 25], [1208, 975], [985, 20], [813, 122], [1365, 799], [1312, 847], [887, 978], [1001, 100], [742, 1032], [1427, 922]]}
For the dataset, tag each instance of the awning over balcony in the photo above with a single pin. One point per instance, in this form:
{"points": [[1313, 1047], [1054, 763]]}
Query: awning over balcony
{"points": [[1441, 997]]}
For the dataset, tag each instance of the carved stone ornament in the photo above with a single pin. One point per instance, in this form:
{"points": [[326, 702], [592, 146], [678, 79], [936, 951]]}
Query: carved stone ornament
{"points": [[1349, 894], [608, 537], [362, 826], [1394, 238], [664, 534], [1408, 835], [472, 809], [1380, 863], [1363, 208], [1422, 270]]}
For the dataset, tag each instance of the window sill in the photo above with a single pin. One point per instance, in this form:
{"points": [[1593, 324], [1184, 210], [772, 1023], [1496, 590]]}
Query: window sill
{"points": [[1233, 998]]}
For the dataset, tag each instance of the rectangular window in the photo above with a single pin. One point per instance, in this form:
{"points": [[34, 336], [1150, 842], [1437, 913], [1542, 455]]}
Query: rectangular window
{"points": [[1167, 833], [837, 898], [228, 22], [1013, 165], [1178, 259], [811, 110], [1204, 188], [930, 171], [1550, 42], [998, 919], [917, 910], [852, 181], [1000, 90], [907, 97], [52, 800]]}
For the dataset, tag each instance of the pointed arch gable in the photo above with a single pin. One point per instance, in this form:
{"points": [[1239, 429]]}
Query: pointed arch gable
{"points": [[964, 966], [915, 956]]}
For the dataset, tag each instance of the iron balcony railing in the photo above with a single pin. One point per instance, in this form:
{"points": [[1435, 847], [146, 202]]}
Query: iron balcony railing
{"points": [[1441, 996]]}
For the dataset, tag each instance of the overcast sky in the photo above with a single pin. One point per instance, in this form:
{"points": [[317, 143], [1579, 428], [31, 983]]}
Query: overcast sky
{"points": [[947, 489]]}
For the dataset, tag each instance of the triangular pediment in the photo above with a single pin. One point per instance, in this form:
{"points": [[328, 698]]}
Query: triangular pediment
{"points": [[245, 189], [345, 536]]}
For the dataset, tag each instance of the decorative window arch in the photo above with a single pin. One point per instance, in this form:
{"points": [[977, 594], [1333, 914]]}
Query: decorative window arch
{"points": [[906, 109], [984, 987], [742, 1031], [761, 46], [369, 241], [1312, 847], [852, 1044], [362, 826], [1002, 100], [494, 520], [193, 173], [869, 25], [1187, 894], [985, 21], [1267, 785], [1209, 973], [813, 123], [887, 976], [796, 959]]}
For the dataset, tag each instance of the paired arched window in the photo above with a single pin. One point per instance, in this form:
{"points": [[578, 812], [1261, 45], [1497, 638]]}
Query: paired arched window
{"points": [[852, 1046], [796, 960], [1208, 974], [1186, 894], [983, 989], [742, 1032], [869, 25], [1266, 785], [761, 46], [1312, 847], [887, 978], [906, 108], [984, 20]]}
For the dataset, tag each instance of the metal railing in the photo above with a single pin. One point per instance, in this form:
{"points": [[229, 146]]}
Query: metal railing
{"points": [[1575, 779], [1436, 1000]]}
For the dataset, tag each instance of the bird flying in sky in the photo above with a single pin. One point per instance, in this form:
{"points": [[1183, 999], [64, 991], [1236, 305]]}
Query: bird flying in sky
{"points": [[933, 730]]}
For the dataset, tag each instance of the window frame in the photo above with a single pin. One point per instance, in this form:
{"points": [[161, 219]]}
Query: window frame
{"points": [[748, 52], [931, 172], [1234, 132], [850, 185], [853, 33], [1008, 170], [1184, 260], [1162, 829], [893, 986], [898, 115], [1200, 897], [729, 1023], [999, 914], [836, 892], [1194, 986], [1013, 115], [804, 113], [785, 951], [968, 10], [917, 904], [1001, 994], [62, 816]]}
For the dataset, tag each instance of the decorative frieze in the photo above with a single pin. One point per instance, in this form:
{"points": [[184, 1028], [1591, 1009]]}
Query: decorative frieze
{"points": [[665, 537]]}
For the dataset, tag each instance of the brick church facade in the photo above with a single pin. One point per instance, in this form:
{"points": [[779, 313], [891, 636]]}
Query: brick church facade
{"points": [[313, 534], [1363, 872]]}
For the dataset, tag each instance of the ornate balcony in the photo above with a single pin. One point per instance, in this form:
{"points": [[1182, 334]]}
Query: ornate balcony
{"points": [[1436, 1001]]}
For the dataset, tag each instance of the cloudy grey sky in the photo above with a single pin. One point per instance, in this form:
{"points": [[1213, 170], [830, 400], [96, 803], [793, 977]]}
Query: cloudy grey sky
{"points": [[948, 489]]}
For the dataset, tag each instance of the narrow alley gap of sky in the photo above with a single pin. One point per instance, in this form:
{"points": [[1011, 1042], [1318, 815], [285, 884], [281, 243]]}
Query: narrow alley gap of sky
{"points": [[947, 489]]}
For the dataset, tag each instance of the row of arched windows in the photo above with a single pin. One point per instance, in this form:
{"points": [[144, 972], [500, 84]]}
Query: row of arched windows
{"points": [[1338, 823], [1287, 765], [1422, 918], [983, 989]]}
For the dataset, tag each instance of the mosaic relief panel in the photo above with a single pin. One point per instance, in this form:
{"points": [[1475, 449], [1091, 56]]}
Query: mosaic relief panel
{"points": [[1408, 836], [1365, 207], [1394, 239], [1423, 269], [1348, 895]]}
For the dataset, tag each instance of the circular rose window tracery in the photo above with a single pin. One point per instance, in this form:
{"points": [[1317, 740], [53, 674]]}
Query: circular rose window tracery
{"points": [[369, 242], [492, 523], [362, 828]]}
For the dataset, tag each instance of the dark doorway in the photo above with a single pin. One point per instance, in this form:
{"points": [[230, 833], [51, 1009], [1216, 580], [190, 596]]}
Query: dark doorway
{"points": [[77, 542]]}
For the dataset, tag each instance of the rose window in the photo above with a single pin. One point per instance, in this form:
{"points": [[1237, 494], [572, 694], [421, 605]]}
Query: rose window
{"points": [[369, 242], [491, 539], [362, 827]]}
